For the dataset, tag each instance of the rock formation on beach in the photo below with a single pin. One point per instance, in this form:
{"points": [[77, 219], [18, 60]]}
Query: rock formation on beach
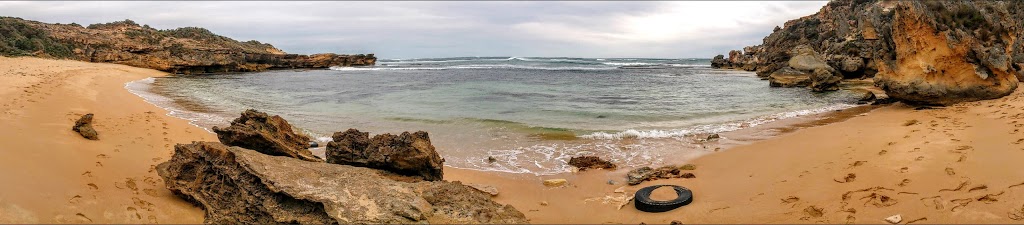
{"points": [[270, 135], [268, 177], [590, 162], [240, 186], [931, 52], [408, 153], [187, 50], [84, 127]]}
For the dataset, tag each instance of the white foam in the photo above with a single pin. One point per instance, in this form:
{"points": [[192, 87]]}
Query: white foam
{"points": [[710, 128]]}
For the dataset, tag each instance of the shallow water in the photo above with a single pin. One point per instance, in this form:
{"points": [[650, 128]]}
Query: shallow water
{"points": [[532, 114]]}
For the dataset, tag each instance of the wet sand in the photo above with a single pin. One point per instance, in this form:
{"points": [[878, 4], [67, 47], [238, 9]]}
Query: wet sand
{"points": [[956, 164]]}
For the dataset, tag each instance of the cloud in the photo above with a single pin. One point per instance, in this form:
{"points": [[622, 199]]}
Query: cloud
{"points": [[443, 29]]}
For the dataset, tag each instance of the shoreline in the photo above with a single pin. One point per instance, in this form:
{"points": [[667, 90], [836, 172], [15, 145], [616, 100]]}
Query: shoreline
{"points": [[794, 176]]}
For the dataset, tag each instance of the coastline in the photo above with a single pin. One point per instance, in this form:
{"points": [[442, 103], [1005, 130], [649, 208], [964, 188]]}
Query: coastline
{"points": [[760, 180]]}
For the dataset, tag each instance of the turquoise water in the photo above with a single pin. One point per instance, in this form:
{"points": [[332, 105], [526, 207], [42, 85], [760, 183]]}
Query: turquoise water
{"points": [[530, 113]]}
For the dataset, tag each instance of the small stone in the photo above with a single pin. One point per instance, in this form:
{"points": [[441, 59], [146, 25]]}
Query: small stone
{"points": [[621, 189], [544, 203], [713, 137], [491, 159], [555, 182], [688, 167], [611, 182], [894, 219]]}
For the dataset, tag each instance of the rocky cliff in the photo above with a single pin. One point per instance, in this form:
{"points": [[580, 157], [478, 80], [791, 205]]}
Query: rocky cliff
{"points": [[931, 52], [188, 50]]}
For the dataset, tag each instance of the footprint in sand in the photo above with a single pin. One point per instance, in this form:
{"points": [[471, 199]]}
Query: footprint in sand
{"points": [[1016, 214], [93, 187], [904, 170], [75, 200], [150, 192], [157, 159], [936, 202], [83, 218], [87, 174], [905, 182], [949, 171], [790, 199], [978, 188], [152, 219], [919, 158], [143, 204], [849, 178], [98, 164], [131, 212], [883, 152], [102, 156]]}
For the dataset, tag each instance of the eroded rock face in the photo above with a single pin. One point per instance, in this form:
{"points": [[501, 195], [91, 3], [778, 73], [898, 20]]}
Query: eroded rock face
{"points": [[590, 162], [187, 50], [241, 186], [789, 77], [407, 154], [932, 52], [84, 127], [267, 134]]}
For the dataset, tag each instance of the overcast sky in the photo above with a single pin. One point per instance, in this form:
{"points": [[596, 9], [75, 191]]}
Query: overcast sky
{"points": [[445, 29]]}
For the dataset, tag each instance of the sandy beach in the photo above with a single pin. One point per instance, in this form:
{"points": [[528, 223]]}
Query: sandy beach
{"points": [[955, 164]]}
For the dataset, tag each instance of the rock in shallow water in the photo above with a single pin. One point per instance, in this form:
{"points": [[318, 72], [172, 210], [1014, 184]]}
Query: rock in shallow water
{"points": [[270, 135], [84, 127], [590, 162], [236, 185], [407, 154], [639, 175]]}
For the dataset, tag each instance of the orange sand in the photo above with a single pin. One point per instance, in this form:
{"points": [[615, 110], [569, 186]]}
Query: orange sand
{"points": [[52, 175]]}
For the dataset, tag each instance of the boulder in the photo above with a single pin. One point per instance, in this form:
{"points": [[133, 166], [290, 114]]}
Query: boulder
{"points": [[789, 77], [407, 154], [590, 162], [270, 135], [822, 76], [719, 62], [639, 175], [240, 186], [84, 127]]}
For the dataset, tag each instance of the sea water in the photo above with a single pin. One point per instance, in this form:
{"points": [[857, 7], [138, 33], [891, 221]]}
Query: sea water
{"points": [[530, 114]]}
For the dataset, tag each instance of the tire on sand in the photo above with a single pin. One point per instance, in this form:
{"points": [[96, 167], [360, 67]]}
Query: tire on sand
{"points": [[643, 201]]}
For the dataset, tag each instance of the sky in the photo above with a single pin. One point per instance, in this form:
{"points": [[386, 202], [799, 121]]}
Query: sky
{"points": [[420, 29]]}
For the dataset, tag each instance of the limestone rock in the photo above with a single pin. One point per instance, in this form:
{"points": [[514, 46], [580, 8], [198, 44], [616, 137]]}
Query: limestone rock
{"points": [[590, 162], [267, 134], [895, 219], [240, 186], [555, 182], [929, 52], [491, 190], [84, 127], [789, 77], [639, 175], [407, 154]]}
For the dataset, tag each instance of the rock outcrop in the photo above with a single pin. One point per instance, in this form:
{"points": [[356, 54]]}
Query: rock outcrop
{"points": [[590, 162], [407, 154], [188, 50], [84, 127], [931, 52], [240, 186], [639, 175], [270, 135]]}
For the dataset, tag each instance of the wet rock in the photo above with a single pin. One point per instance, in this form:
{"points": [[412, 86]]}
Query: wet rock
{"points": [[822, 76], [407, 154], [868, 97], [555, 182], [639, 175], [712, 137], [84, 127], [240, 186], [719, 61], [270, 135], [590, 162]]}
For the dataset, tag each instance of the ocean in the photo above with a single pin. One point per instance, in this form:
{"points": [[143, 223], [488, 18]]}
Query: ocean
{"points": [[530, 114]]}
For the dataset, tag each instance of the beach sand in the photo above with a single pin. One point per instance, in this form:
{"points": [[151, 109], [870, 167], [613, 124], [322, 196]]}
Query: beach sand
{"points": [[957, 164]]}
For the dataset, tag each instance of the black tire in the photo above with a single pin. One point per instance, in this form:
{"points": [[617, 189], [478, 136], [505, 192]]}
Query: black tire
{"points": [[643, 202]]}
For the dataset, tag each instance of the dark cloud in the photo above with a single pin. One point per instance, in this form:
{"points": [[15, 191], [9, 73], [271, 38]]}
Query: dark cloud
{"points": [[442, 29]]}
